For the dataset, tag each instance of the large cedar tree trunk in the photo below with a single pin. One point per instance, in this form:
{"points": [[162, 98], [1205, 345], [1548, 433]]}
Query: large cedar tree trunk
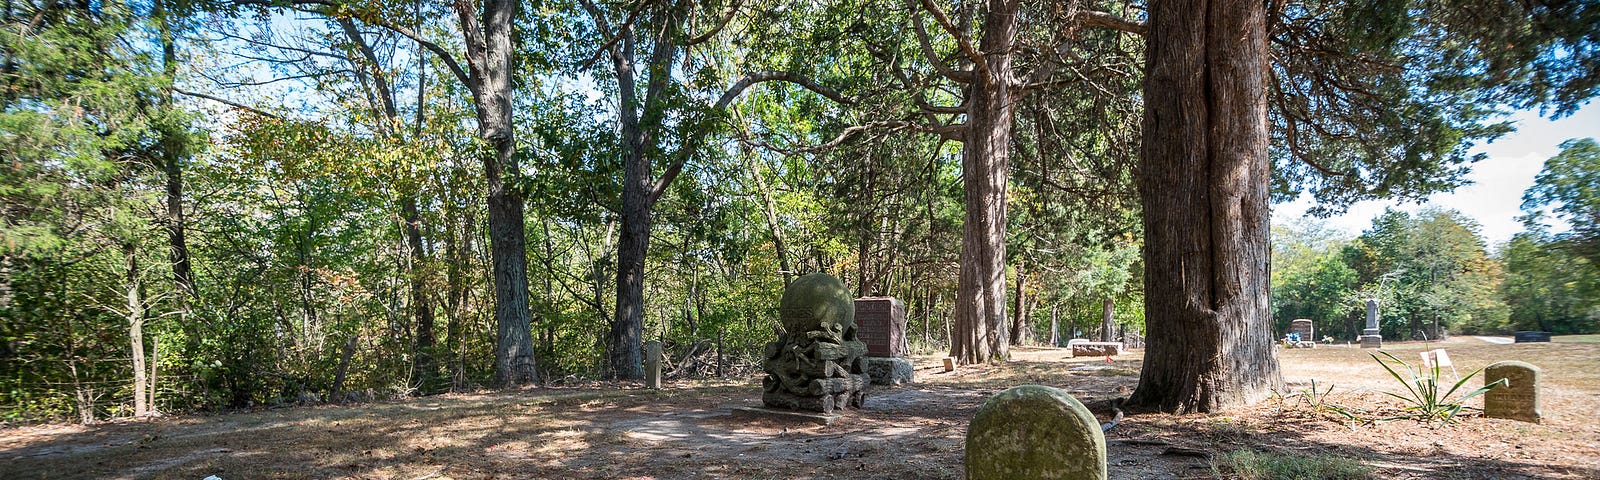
{"points": [[1204, 186], [489, 56], [980, 331]]}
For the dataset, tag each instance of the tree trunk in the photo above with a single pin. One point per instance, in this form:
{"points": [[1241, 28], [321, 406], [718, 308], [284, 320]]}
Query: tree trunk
{"points": [[980, 334], [155, 364], [1108, 311], [172, 143], [1204, 185], [1019, 314], [489, 51], [1055, 325], [627, 328], [135, 312], [770, 210], [421, 301], [336, 394]]}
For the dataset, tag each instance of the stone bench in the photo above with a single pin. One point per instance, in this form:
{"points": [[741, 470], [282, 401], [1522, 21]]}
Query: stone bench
{"points": [[1097, 349]]}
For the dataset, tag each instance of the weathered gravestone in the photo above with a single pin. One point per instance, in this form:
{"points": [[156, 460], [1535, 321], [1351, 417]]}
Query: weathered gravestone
{"points": [[881, 324], [1035, 432], [1370, 337], [652, 364], [1530, 336], [1518, 397], [1096, 349], [817, 363]]}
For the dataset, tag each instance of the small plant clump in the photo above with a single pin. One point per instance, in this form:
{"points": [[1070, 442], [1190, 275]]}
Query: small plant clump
{"points": [[1253, 465], [1423, 400]]}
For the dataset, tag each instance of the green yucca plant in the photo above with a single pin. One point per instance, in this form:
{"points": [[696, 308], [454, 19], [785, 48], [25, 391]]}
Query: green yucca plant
{"points": [[1424, 402]]}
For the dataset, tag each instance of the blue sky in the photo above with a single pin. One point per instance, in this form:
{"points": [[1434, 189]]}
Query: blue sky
{"points": [[1494, 198]]}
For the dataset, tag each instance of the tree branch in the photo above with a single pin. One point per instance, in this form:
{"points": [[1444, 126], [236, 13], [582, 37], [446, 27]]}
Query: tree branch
{"points": [[444, 55], [600, 23], [227, 102], [939, 16], [688, 148], [933, 57], [720, 23], [1106, 20]]}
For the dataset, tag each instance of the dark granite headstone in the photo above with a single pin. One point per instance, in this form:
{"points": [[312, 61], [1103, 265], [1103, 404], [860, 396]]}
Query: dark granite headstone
{"points": [[881, 323], [1531, 336]]}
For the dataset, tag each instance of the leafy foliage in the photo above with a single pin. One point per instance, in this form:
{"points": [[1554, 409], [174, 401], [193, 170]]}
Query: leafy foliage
{"points": [[1423, 399]]}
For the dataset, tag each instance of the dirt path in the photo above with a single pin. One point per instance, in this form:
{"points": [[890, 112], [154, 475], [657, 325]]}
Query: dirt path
{"points": [[905, 433]]}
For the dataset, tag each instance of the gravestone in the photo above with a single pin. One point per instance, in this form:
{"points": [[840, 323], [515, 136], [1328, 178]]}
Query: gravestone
{"points": [[1518, 399], [1035, 432], [1303, 327], [817, 363], [1096, 349], [1531, 336], [652, 364], [881, 324], [1370, 337]]}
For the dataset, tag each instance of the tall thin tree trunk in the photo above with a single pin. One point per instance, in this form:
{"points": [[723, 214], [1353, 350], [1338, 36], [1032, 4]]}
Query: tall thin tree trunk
{"points": [[981, 334], [489, 51], [1055, 325], [770, 211], [1204, 186], [135, 311], [421, 301], [172, 146], [1108, 311], [1019, 313], [155, 363]]}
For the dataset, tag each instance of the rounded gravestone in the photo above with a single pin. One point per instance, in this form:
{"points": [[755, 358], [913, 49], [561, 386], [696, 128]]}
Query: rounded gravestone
{"points": [[1516, 398], [817, 301], [1034, 431]]}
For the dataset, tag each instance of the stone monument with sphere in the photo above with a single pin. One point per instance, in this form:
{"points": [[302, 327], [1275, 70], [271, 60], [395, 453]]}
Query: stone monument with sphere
{"points": [[817, 363]]}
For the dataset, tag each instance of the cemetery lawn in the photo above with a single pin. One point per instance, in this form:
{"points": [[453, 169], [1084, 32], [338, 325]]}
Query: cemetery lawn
{"points": [[909, 432]]}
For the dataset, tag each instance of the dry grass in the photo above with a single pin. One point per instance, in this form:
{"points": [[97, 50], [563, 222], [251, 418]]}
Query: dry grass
{"points": [[915, 432]]}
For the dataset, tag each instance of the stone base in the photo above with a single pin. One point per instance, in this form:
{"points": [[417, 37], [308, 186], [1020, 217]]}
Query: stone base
{"points": [[819, 418], [1097, 349], [825, 395], [890, 371], [1371, 341]]}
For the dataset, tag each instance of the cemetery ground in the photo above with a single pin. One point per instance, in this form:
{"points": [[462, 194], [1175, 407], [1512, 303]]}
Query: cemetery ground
{"points": [[906, 432]]}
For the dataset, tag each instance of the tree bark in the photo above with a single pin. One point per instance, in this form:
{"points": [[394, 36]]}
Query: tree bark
{"points": [[980, 330], [172, 146], [1019, 315], [135, 312], [489, 53], [1204, 185], [421, 301], [1108, 311]]}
